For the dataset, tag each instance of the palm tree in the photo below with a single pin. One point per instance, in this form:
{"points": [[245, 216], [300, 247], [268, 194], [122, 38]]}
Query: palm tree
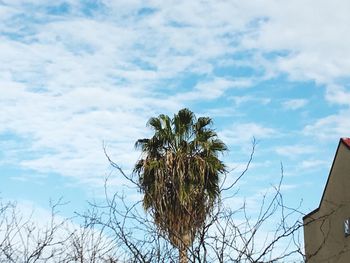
{"points": [[178, 174]]}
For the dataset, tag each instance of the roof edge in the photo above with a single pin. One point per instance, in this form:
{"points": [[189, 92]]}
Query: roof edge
{"points": [[346, 142], [311, 213]]}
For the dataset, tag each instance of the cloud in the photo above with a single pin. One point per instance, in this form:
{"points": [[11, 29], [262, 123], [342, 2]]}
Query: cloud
{"points": [[338, 95], [243, 133], [177, 38], [314, 164], [67, 131], [294, 104], [293, 151], [330, 128], [239, 100], [212, 89], [73, 79], [314, 46]]}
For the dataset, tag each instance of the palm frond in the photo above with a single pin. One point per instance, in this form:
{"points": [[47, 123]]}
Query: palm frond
{"points": [[179, 173]]}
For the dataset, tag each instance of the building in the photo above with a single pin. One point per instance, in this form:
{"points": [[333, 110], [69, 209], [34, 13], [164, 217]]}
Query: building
{"points": [[327, 228]]}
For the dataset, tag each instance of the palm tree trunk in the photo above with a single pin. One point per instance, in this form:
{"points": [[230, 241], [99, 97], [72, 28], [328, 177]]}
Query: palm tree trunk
{"points": [[183, 254]]}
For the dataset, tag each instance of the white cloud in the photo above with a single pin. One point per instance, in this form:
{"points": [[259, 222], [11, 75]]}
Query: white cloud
{"points": [[317, 47], [239, 100], [314, 164], [330, 128], [293, 151], [212, 89], [294, 104], [67, 130], [186, 35], [243, 133], [73, 81], [338, 94]]}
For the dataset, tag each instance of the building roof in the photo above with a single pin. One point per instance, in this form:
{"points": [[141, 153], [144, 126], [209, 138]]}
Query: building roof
{"points": [[346, 142]]}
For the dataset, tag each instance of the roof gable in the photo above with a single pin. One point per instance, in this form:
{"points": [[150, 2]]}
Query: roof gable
{"points": [[342, 141]]}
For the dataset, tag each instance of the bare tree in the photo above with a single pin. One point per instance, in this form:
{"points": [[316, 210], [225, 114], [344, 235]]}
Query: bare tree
{"points": [[22, 240], [117, 229], [270, 234], [88, 244], [60, 240], [230, 234]]}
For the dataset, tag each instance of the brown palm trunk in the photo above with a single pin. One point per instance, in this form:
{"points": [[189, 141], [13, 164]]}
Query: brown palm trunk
{"points": [[184, 243], [183, 254]]}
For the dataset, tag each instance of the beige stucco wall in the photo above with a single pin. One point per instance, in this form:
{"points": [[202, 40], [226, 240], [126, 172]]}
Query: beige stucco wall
{"points": [[324, 236]]}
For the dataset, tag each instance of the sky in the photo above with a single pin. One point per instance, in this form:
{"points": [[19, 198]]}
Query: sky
{"points": [[78, 76]]}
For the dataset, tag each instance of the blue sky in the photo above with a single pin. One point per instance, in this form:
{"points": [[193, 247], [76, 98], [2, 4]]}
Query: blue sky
{"points": [[75, 75]]}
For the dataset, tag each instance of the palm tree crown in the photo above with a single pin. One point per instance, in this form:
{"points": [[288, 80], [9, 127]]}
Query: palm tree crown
{"points": [[179, 174]]}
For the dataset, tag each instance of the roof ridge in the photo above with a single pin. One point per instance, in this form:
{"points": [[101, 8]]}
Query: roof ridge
{"points": [[346, 141]]}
